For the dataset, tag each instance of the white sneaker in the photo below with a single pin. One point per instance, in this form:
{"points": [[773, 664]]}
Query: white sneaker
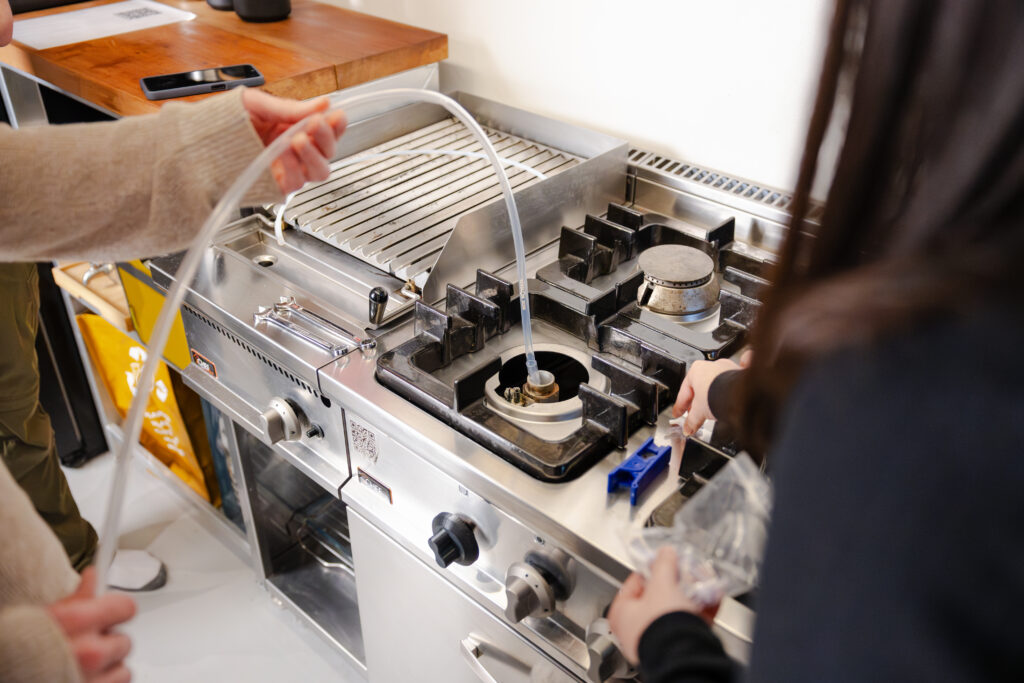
{"points": [[136, 570]]}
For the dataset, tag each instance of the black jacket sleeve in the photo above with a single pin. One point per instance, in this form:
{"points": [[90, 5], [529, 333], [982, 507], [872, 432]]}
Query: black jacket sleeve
{"points": [[896, 551], [721, 395], [680, 648]]}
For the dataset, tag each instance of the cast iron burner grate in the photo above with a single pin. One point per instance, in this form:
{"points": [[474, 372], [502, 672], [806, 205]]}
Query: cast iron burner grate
{"points": [[590, 296]]}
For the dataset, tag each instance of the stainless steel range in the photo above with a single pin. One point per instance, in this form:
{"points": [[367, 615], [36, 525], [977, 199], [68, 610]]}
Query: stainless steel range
{"points": [[433, 514]]}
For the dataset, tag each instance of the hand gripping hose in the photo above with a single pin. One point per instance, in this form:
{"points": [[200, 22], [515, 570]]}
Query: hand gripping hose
{"points": [[220, 215]]}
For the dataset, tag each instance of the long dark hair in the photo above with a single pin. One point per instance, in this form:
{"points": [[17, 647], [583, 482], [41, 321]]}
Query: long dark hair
{"points": [[925, 215]]}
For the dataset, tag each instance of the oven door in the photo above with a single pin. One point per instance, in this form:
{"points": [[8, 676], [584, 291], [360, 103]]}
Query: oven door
{"points": [[419, 627]]}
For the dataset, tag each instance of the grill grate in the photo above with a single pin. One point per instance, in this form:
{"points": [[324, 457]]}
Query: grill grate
{"points": [[397, 212]]}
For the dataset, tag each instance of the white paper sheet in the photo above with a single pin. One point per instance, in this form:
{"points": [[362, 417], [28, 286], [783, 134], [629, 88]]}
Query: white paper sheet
{"points": [[95, 22]]}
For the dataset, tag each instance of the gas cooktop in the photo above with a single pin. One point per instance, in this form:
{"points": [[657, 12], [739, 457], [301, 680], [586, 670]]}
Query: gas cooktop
{"points": [[631, 301]]}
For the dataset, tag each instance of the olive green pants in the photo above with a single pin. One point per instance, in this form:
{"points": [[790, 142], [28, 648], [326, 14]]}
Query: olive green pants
{"points": [[26, 437]]}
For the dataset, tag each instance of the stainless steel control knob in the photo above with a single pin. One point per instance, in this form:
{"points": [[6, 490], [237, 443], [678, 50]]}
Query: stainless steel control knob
{"points": [[606, 660], [527, 593], [281, 421], [534, 586]]}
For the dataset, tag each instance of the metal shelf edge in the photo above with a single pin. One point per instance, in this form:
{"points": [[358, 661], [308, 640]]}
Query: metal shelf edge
{"points": [[335, 648]]}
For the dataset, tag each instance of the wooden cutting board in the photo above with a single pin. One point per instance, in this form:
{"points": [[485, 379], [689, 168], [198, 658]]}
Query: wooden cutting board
{"points": [[361, 47], [318, 49]]}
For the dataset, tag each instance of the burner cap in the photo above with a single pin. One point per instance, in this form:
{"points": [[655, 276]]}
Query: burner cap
{"points": [[675, 265]]}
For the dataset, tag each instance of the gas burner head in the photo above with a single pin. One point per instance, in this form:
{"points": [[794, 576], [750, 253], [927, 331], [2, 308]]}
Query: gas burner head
{"points": [[678, 280], [544, 391], [677, 266]]}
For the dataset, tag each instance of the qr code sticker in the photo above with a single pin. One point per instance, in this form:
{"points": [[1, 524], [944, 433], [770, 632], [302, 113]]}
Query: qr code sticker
{"points": [[364, 442], [139, 13]]}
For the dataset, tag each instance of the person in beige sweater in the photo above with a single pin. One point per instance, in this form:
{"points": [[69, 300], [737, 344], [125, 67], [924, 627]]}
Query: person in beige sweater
{"points": [[104, 192]]}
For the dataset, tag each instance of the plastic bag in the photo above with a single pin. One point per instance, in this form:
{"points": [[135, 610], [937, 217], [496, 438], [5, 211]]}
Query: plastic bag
{"points": [[718, 535], [118, 360]]}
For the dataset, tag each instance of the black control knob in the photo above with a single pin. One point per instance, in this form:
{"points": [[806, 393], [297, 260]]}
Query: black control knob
{"points": [[453, 540], [378, 304]]}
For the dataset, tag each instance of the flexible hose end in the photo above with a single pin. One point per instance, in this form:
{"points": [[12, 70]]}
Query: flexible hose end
{"points": [[533, 374]]}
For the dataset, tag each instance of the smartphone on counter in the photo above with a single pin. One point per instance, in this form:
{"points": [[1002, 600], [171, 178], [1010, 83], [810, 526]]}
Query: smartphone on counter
{"points": [[200, 81]]}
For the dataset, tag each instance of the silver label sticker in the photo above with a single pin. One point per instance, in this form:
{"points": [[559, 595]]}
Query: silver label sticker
{"points": [[375, 485]]}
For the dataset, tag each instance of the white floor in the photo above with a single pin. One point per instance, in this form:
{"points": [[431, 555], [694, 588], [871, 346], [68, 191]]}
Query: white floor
{"points": [[212, 621]]}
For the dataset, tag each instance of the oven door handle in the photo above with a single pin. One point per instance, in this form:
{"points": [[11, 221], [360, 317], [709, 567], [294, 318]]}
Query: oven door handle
{"points": [[473, 650]]}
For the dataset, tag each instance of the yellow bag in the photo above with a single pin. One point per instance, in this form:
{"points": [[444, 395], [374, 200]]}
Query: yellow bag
{"points": [[119, 359], [144, 304]]}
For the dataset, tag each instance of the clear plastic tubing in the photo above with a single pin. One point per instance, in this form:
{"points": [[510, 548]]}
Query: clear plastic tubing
{"points": [[220, 216]]}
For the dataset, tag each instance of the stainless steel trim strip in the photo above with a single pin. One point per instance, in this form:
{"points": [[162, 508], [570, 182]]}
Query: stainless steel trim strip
{"points": [[740, 193], [22, 99]]}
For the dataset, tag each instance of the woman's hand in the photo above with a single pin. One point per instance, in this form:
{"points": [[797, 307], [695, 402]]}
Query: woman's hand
{"points": [[640, 602], [693, 393], [87, 622], [311, 150]]}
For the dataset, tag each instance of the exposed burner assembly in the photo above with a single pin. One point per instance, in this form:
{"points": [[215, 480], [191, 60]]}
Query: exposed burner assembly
{"points": [[384, 334], [560, 376], [552, 419]]}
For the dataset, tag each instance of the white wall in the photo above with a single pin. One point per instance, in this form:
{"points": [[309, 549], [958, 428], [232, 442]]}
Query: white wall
{"points": [[724, 83]]}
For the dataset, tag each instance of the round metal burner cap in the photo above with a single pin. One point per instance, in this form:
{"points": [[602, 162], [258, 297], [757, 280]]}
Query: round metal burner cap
{"points": [[675, 265]]}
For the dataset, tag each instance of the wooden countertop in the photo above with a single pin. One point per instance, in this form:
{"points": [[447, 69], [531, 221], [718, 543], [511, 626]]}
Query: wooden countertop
{"points": [[318, 49]]}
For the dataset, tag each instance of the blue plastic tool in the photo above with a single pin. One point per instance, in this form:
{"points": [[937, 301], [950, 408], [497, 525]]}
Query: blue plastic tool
{"points": [[640, 469]]}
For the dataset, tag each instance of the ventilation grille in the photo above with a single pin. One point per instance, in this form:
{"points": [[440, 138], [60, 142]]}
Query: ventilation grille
{"points": [[252, 351], [738, 187]]}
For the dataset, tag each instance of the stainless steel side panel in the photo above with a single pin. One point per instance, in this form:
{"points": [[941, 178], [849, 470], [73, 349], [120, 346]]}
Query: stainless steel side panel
{"points": [[417, 627], [21, 99]]}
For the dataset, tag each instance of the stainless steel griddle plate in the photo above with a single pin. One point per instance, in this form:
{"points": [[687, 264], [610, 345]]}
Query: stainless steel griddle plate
{"points": [[675, 265], [397, 213]]}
